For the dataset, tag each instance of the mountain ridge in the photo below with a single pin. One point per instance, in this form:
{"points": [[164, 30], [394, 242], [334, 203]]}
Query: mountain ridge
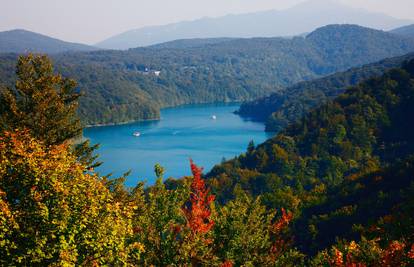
{"points": [[407, 31], [257, 24], [24, 41]]}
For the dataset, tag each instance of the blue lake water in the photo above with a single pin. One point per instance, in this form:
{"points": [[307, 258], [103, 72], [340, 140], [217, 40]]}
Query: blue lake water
{"points": [[182, 133]]}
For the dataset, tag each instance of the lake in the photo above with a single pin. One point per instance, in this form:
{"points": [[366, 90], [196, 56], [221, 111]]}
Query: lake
{"points": [[182, 133]]}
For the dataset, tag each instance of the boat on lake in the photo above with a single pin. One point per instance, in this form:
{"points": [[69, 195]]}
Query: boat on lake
{"points": [[214, 117], [136, 134]]}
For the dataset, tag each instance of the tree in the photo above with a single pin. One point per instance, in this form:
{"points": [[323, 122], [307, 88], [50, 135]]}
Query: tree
{"points": [[45, 103], [250, 147], [198, 210], [53, 212], [158, 223], [247, 234], [159, 171]]}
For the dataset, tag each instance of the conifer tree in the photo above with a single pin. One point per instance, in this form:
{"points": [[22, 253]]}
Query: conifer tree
{"points": [[45, 103], [42, 101]]}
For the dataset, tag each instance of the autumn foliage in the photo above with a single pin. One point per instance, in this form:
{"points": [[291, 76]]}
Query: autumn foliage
{"points": [[198, 210], [281, 243], [52, 212], [367, 253]]}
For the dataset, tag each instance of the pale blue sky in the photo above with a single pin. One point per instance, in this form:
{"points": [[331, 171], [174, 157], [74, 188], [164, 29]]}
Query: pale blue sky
{"points": [[90, 21]]}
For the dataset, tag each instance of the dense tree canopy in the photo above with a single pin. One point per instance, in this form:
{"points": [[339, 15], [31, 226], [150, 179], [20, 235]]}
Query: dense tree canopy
{"points": [[341, 168], [280, 109]]}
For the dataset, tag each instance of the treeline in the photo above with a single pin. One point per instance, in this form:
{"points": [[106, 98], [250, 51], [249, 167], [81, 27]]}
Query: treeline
{"points": [[280, 109], [345, 170], [121, 86]]}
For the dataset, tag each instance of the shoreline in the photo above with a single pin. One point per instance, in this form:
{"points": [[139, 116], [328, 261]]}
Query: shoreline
{"points": [[158, 119], [118, 123]]}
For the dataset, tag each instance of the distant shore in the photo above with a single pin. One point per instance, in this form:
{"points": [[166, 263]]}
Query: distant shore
{"points": [[119, 123], [157, 119]]}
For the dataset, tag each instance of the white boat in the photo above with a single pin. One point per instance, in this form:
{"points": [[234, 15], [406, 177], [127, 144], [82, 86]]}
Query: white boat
{"points": [[214, 117], [137, 134]]}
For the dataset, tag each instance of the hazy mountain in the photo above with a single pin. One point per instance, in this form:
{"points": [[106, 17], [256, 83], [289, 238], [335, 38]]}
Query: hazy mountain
{"points": [[304, 17], [21, 41], [191, 43], [405, 30]]}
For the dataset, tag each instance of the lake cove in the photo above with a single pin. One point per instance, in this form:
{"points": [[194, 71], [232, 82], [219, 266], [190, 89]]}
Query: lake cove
{"points": [[206, 133]]}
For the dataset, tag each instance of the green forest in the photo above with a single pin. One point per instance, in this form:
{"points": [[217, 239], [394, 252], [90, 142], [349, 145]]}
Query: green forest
{"points": [[290, 104], [334, 188], [344, 170], [125, 86]]}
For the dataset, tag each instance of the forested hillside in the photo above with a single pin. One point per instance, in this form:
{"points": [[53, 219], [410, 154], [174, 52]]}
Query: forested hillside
{"points": [[121, 86], [284, 107], [407, 31], [345, 169]]}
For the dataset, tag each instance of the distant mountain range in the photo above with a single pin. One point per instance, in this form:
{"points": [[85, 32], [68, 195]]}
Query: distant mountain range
{"points": [[405, 30], [297, 20], [22, 41], [191, 43]]}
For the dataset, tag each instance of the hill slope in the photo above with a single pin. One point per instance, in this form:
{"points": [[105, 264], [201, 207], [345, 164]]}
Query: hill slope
{"points": [[284, 107], [22, 41], [122, 86], [407, 31], [342, 168], [290, 22]]}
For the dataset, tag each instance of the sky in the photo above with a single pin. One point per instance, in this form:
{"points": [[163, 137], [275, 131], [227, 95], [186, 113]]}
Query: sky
{"points": [[91, 21]]}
